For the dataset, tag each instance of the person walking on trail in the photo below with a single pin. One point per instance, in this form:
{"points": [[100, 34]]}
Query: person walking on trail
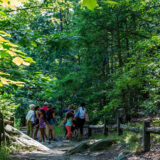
{"points": [[68, 110], [37, 110], [45, 109], [42, 124], [51, 120], [68, 125], [30, 117], [81, 117]]}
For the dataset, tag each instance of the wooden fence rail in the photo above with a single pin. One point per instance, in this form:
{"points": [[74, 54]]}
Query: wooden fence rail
{"points": [[2, 127], [145, 131]]}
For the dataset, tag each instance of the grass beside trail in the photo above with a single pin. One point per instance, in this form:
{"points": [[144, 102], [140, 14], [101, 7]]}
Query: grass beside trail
{"points": [[130, 140], [59, 131], [4, 153]]}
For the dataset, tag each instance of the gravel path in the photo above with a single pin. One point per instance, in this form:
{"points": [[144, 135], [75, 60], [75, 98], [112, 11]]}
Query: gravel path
{"points": [[58, 149]]}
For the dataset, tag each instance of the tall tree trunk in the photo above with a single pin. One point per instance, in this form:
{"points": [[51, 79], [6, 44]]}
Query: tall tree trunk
{"points": [[119, 41], [107, 57], [112, 53], [61, 20]]}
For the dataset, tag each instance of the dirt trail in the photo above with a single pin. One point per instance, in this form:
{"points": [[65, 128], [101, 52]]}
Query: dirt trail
{"points": [[58, 149]]}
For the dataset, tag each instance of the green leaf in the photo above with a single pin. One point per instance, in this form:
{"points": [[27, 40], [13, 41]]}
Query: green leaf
{"points": [[111, 2], [90, 4], [2, 13]]}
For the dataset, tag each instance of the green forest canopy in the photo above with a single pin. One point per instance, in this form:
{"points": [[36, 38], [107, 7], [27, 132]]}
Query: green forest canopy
{"points": [[104, 53]]}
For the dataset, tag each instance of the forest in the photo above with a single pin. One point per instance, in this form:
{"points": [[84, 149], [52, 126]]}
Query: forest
{"points": [[102, 52]]}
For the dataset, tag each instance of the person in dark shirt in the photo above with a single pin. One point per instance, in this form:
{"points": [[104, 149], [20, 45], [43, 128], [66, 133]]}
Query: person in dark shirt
{"points": [[51, 120]]}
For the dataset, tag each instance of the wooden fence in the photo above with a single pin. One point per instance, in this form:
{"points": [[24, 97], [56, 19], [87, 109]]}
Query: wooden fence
{"points": [[2, 125], [145, 131]]}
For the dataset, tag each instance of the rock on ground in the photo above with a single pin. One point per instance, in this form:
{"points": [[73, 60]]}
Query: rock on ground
{"points": [[91, 145], [18, 138]]}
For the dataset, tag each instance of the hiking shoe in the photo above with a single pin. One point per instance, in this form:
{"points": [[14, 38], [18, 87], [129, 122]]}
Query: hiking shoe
{"points": [[66, 141]]}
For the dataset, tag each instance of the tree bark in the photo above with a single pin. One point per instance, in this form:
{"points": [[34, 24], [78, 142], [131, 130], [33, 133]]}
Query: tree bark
{"points": [[119, 41]]}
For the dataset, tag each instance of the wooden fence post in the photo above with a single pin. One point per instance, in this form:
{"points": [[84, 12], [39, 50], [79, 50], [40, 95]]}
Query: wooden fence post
{"points": [[146, 136], [119, 130], [89, 131], [12, 121], [1, 127], [105, 131]]}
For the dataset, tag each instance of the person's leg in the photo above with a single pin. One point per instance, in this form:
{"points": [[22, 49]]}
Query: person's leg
{"points": [[30, 128], [43, 131], [82, 121], [80, 126], [27, 128], [35, 132], [52, 132], [83, 125], [68, 132], [43, 134], [66, 136], [46, 131]]}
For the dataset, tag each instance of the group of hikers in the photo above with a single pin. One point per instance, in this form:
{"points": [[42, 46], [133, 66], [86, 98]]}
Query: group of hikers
{"points": [[44, 119]]}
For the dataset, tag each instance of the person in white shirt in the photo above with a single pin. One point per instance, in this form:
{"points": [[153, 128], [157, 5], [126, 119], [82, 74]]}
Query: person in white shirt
{"points": [[30, 117], [81, 120]]}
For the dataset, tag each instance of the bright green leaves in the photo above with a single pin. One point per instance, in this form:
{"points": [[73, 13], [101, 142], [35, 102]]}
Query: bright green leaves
{"points": [[113, 3], [10, 58], [90, 4]]}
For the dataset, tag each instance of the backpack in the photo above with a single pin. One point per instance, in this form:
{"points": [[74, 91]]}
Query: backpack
{"points": [[47, 115], [82, 112]]}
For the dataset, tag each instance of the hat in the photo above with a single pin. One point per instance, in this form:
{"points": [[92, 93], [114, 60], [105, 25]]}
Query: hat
{"points": [[45, 103], [31, 106]]}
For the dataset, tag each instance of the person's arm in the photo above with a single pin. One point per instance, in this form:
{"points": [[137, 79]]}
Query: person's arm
{"points": [[27, 116], [37, 115], [64, 120], [54, 117]]}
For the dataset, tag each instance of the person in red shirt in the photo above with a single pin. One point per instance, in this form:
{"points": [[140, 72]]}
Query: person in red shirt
{"points": [[45, 107]]}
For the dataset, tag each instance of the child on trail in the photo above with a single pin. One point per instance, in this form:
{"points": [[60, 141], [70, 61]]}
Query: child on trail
{"points": [[68, 125], [70, 110], [42, 124]]}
